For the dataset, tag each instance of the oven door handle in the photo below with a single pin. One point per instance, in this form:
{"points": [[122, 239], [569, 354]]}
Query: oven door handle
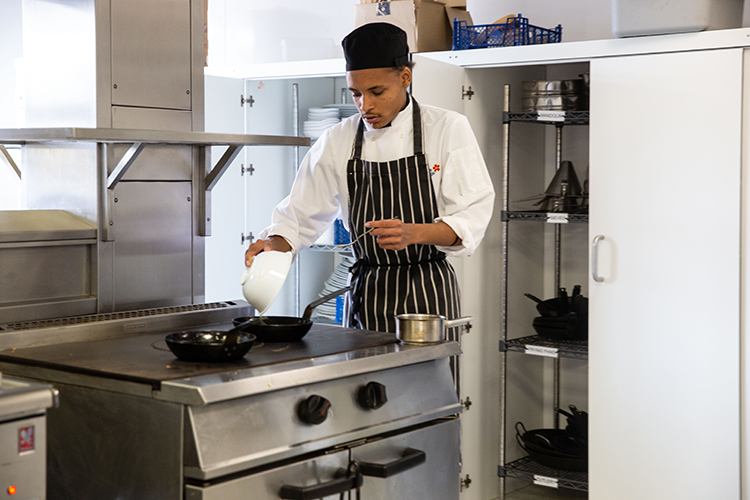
{"points": [[409, 459], [333, 487]]}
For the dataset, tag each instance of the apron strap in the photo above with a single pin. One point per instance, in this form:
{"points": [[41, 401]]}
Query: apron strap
{"points": [[357, 148], [417, 116]]}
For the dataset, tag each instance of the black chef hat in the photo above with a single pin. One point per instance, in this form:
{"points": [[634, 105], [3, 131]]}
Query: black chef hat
{"points": [[375, 45]]}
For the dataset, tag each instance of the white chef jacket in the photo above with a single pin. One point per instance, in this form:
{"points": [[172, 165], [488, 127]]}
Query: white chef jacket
{"points": [[462, 185]]}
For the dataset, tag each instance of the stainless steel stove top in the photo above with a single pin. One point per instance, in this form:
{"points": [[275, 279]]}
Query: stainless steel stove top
{"points": [[127, 353]]}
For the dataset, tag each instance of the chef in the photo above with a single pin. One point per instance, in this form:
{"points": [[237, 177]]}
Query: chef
{"points": [[408, 180]]}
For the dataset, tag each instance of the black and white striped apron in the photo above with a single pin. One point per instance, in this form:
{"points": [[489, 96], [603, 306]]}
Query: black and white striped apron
{"points": [[417, 279]]}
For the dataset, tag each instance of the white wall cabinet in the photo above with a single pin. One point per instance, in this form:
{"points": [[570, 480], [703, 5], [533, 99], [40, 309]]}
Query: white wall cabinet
{"points": [[244, 199], [665, 320]]}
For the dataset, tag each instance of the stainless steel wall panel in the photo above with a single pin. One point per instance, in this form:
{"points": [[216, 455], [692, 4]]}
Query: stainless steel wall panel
{"points": [[156, 162], [40, 273], [198, 26], [62, 176], [151, 53], [153, 244], [107, 445], [40, 310], [59, 57], [151, 119]]}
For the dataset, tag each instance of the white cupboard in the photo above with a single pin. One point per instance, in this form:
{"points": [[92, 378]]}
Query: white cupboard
{"points": [[665, 319]]}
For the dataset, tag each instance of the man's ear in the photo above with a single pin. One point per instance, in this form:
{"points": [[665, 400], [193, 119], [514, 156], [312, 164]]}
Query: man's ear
{"points": [[405, 77]]}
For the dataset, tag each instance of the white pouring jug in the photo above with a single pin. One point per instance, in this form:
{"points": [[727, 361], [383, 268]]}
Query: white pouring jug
{"points": [[262, 281]]}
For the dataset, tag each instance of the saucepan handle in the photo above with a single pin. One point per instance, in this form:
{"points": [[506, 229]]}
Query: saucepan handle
{"points": [[466, 320]]}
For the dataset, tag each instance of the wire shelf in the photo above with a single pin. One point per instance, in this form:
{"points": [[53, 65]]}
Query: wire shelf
{"points": [[561, 117], [332, 248], [551, 217], [576, 349], [526, 468]]}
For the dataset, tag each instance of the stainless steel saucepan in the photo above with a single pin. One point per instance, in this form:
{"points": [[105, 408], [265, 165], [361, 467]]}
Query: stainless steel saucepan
{"points": [[425, 328]]}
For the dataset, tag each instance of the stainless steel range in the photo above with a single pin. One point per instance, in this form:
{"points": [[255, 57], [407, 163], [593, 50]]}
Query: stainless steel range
{"points": [[340, 410]]}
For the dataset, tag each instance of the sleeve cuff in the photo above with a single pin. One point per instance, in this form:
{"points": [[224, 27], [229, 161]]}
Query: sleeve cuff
{"points": [[467, 245]]}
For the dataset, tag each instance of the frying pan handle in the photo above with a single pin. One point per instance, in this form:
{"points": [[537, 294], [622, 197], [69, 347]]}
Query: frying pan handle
{"points": [[325, 298]]}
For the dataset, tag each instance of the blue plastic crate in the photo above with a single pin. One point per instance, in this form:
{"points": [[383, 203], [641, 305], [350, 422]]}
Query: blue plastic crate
{"points": [[340, 234], [339, 309], [515, 31]]}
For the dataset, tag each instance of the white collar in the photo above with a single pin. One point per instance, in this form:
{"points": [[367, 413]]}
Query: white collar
{"points": [[404, 117]]}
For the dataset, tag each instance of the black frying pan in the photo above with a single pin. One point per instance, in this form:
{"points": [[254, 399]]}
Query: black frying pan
{"points": [[284, 328], [211, 345]]}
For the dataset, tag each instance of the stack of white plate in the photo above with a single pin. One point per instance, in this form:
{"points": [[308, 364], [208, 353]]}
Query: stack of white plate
{"points": [[337, 280], [345, 110], [319, 119]]}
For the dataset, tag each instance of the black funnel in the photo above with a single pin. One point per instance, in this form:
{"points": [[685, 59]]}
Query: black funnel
{"points": [[565, 182]]}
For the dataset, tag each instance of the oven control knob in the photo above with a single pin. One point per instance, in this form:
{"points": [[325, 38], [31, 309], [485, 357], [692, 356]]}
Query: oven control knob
{"points": [[372, 396], [313, 410]]}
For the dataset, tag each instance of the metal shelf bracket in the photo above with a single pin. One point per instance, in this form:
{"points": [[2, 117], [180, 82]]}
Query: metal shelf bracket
{"points": [[10, 161]]}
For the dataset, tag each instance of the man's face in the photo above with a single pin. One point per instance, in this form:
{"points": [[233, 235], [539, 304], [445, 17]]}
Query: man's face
{"points": [[379, 93]]}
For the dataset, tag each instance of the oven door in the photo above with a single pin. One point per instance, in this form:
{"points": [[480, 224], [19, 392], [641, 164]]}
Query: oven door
{"points": [[419, 464], [321, 477]]}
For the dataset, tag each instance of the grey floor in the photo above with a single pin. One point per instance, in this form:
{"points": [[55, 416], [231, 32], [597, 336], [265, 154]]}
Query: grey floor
{"points": [[534, 492]]}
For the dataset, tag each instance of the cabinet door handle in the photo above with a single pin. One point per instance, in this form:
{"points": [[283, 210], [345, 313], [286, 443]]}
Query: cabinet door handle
{"points": [[595, 258]]}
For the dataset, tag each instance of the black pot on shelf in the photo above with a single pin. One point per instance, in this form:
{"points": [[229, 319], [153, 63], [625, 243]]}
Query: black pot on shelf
{"points": [[568, 327]]}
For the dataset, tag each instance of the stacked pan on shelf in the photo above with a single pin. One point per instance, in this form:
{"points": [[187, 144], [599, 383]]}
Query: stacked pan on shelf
{"points": [[555, 95], [563, 449], [562, 317]]}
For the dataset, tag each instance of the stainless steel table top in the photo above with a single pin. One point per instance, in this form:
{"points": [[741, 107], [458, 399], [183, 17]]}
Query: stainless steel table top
{"points": [[142, 365], [146, 358]]}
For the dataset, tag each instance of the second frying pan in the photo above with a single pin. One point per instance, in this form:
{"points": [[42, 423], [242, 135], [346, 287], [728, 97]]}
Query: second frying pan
{"points": [[284, 328]]}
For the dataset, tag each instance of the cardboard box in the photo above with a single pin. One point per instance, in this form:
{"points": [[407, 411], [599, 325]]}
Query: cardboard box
{"points": [[425, 22], [460, 14]]}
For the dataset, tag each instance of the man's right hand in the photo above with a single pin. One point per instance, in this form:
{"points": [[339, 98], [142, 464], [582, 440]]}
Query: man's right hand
{"points": [[276, 243]]}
